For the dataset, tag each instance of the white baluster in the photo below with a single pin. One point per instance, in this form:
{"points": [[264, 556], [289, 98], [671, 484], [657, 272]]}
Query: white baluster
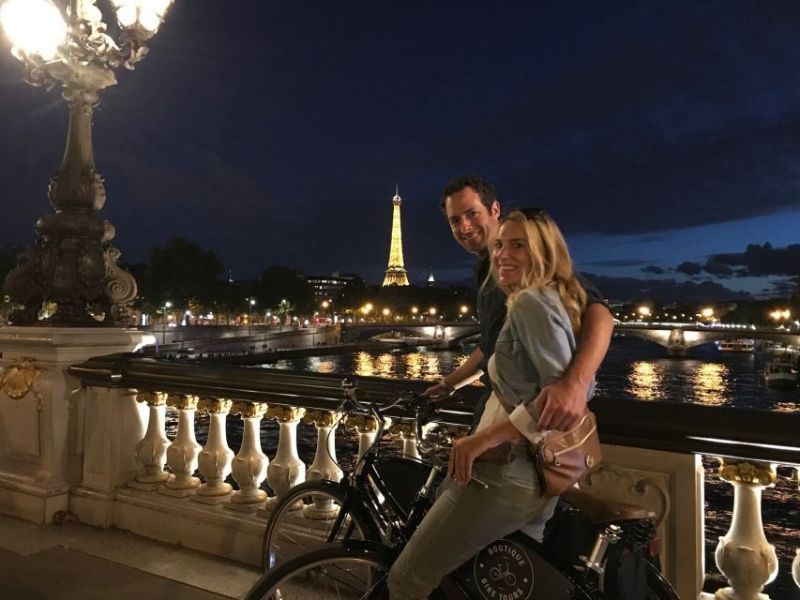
{"points": [[151, 451], [250, 464], [796, 563], [743, 555], [286, 469], [367, 429], [408, 434], [796, 568], [182, 453], [215, 458], [324, 465]]}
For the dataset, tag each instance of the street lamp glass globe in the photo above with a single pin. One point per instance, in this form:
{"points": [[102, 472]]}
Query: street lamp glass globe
{"points": [[148, 14], [34, 27]]}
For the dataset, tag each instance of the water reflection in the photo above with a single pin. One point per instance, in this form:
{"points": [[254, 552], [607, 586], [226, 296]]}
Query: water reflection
{"points": [[321, 365], [709, 383], [646, 380], [413, 365]]}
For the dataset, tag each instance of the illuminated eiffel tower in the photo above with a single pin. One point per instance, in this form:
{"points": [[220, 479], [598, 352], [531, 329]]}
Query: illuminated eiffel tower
{"points": [[396, 272]]}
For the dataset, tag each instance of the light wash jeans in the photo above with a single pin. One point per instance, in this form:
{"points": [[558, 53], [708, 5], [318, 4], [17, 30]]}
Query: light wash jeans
{"points": [[463, 521]]}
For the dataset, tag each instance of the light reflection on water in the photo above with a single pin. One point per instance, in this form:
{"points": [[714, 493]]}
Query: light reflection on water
{"points": [[645, 380]]}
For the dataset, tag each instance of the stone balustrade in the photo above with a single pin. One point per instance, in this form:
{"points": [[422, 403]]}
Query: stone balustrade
{"points": [[214, 497]]}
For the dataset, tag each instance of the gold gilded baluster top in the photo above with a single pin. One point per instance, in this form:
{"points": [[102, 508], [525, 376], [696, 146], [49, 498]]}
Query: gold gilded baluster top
{"points": [[322, 418], [214, 406], [182, 401], [250, 410], [285, 414], [741, 471], [152, 398]]}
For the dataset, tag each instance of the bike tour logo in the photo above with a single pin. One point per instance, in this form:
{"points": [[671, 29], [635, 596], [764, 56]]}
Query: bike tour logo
{"points": [[504, 572]]}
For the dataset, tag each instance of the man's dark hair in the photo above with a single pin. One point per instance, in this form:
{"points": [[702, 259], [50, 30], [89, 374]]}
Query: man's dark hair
{"points": [[483, 188]]}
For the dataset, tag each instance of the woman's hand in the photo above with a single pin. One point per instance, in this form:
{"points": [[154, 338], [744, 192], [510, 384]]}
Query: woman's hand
{"points": [[465, 451]]}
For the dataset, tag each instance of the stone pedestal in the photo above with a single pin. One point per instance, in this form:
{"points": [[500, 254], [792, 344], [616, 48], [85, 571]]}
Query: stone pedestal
{"points": [[46, 425]]}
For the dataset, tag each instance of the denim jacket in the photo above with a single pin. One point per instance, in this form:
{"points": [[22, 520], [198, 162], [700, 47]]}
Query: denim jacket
{"points": [[534, 349]]}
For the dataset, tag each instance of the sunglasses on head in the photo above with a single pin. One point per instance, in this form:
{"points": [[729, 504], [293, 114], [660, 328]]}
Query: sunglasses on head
{"points": [[532, 213]]}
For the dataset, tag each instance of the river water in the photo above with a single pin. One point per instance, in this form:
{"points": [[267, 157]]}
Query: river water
{"points": [[638, 370]]}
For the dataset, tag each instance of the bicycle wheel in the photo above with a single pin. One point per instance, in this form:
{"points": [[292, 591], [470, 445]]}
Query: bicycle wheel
{"points": [[308, 517], [348, 572], [658, 588]]}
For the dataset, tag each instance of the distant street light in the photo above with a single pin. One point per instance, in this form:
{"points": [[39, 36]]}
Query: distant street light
{"points": [[167, 306], [73, 264], [644, 311]]}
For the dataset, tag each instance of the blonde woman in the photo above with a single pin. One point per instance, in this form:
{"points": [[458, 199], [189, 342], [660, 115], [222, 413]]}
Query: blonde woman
{"points": [[532, 265]]}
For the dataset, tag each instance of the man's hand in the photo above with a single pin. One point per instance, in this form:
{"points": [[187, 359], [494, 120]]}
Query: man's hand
{"points": [[438, 391], [561, 405]]}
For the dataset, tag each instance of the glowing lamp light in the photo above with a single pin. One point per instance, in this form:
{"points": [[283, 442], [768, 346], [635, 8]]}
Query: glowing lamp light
{"points": [[707, 313], [147, 14], [644, 311], [386, 312], [34, 27], [464, 309]]}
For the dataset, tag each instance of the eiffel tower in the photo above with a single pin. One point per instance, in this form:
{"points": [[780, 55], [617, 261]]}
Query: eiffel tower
{"points": [[396, 272]]}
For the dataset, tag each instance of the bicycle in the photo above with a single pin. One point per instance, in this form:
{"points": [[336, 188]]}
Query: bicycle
{"points": [[376, 515]]}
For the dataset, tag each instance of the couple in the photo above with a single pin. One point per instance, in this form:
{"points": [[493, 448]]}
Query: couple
{"points": [[532, 308]]}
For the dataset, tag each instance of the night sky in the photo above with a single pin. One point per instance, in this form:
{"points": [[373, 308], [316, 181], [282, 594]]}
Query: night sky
{"points": [[663, 136]]}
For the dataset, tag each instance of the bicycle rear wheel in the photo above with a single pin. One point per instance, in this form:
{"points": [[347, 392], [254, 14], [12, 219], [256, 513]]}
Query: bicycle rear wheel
{"points": [[658, 588], [307, 517], [336, 572]]}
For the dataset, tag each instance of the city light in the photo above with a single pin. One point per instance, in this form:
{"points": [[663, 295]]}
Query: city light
{"points": [[386, 312], [780, 314], [414, 310], [464, 309], [707, 312], [432, 311], [35, 27], [644, 311]]}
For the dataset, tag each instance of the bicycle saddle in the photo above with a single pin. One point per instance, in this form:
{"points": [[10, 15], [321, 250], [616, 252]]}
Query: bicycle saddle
{"points": [[600, 511]]}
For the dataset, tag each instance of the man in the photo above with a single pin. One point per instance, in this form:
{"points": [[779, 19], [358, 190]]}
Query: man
{"points": [[473, 211]]}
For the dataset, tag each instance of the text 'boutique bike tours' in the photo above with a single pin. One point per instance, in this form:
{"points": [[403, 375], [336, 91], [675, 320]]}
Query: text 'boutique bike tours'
{"points": [[338, 540]]}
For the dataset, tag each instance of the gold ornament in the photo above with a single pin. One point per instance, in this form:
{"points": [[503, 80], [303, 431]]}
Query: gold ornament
{"points": [[285, 414], [183, 402], [17, 379], [747, 472], [249, 410], [321, 418], [152, 398], [214, 406]]}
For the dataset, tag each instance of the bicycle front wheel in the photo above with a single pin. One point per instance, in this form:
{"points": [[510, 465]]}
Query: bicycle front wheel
{"points": [[335, 572], [309, 516]]}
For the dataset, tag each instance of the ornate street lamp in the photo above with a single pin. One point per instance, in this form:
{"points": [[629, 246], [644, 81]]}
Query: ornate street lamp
{"points": [[73, 264]]}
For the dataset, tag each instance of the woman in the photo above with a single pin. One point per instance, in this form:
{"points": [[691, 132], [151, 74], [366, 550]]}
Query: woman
{"points": [[531, 264]]}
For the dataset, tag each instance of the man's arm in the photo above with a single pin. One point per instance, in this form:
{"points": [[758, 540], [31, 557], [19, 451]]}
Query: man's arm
{"points": [[448, 382], [562, 403]]}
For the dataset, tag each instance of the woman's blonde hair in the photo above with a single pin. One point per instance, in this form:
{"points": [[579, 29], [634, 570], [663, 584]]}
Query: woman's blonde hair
{"points": [[550, 264]]}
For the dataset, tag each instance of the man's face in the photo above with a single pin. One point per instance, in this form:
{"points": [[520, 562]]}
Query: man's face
{"points": [[470, 221]]}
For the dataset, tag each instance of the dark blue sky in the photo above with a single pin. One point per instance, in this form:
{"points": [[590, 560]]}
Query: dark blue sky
{"points": [[658, 134]]}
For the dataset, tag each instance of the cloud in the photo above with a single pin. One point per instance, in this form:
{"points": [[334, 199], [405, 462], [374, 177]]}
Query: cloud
{"points": [[689, 268], [664, 290], [653, 270], [718, 269], [763, 260], [617, 262]]}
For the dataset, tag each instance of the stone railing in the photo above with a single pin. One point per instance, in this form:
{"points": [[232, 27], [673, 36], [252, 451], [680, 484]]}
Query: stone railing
{"points": [[136, 475]]}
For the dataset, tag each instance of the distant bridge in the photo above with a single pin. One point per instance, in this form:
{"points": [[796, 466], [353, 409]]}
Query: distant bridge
{"points": [[677, 338], [446, 334]]}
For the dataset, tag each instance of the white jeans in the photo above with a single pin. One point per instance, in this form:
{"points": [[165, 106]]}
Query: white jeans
{"points": [[463, 521]]}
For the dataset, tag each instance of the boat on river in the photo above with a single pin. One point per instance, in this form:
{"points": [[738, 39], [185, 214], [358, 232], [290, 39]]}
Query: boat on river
{"points": [[741, 345], [780, 374]]}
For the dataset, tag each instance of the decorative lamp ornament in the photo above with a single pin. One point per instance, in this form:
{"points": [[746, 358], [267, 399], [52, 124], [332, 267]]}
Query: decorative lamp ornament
{"points": [[73, 265]]}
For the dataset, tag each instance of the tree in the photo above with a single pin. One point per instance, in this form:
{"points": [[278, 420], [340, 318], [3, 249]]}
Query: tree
{"points": [[183, 273], [283, 283]]}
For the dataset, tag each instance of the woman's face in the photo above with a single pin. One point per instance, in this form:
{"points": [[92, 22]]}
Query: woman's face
{"points": [[511, 257]]}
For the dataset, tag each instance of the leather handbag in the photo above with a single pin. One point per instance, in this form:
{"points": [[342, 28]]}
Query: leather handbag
{"points": [[563, 458]]}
